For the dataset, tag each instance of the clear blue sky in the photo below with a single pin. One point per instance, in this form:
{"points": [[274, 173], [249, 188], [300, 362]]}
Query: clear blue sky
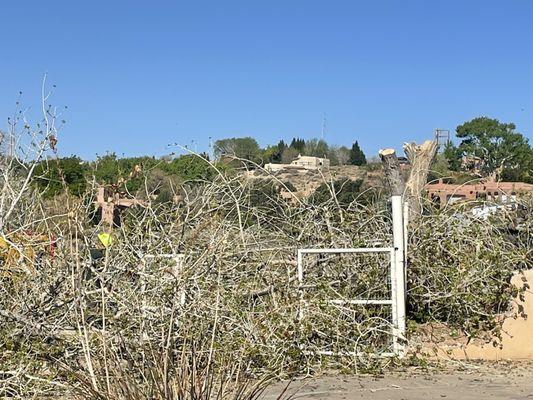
{"points": [[137, 75]]}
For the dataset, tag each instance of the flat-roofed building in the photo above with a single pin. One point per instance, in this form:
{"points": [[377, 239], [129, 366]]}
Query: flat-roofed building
{"points": [[501, 192], [301, 162]]}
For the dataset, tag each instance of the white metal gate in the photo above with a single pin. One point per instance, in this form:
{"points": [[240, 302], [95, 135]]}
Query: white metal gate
{"points": [[396, 276]]}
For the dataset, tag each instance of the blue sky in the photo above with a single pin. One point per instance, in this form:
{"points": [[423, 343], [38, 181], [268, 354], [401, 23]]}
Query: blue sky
{"points": [[138, 75]]}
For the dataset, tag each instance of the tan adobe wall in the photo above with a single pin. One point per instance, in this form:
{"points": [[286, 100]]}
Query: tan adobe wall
{"points": [[517, 335]]}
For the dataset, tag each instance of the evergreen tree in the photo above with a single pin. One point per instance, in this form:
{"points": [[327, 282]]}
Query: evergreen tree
{"points": [[298, 144], [357, 157], [279, 149], [501, 149], [281, 146], [452, 156]]}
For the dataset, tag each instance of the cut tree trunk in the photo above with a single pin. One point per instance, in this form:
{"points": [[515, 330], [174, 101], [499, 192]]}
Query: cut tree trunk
{"points": [[392, 171], [420, 157]]}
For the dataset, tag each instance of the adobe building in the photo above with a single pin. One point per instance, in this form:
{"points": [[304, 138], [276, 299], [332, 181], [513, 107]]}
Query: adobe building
{"points": [[301, 162], [499, 192]]}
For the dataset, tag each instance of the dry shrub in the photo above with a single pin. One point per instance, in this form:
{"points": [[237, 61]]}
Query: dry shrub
{"points": [[219, 269], [158, 375], [234, 283]]}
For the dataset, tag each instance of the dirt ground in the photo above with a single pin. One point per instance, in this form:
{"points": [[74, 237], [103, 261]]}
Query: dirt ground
{"points": [[463, 382]]}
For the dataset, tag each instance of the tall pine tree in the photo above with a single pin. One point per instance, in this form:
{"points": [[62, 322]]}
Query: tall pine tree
{"points": [[357, 157], [298, 144]]}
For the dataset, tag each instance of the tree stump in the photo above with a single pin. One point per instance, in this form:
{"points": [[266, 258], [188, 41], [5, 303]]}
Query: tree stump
{"points": [[420, 157], [392, 171]]}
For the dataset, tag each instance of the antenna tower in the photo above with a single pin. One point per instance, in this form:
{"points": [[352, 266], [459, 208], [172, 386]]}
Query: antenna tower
{"points": [[442, 136], [323, 125]]}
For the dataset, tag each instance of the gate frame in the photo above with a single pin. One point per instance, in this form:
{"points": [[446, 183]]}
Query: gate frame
{"points": [[397, 273]]}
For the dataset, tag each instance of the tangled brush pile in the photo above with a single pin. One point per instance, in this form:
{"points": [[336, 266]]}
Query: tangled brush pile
{"points": [[209, 284]]}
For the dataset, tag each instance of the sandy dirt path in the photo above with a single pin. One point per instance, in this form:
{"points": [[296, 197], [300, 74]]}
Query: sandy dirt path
{"points": [[499, 381]]}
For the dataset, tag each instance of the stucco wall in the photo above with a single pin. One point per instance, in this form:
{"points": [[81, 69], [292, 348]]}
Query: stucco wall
{"points": [[517, 335]]}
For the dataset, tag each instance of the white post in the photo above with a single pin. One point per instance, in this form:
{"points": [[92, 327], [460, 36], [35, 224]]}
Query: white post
{"points": [[177, 272], [300, 268], [405, 240], [398, 270], [405, 225], [300, 283]]}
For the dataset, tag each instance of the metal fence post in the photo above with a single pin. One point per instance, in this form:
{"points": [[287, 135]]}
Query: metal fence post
{"points": [[399, 271]]}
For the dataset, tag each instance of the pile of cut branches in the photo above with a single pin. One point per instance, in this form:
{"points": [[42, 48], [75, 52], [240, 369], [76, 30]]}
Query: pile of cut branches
{"points": [[211, 281]]}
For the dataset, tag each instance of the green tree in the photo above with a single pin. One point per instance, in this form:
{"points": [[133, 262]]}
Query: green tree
{"points": [[453, 156], [289, 155], [263, 205], [332, 156], [106, 169], [298, 145], [246, 148], [502, 150], [190, 167], [440, 168], [273, 154], [316, 148], [346, 191], [281, 146], [357, 157], [270, 154], [109, 169], [52, 176], [341, 154], [162, 185]]}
